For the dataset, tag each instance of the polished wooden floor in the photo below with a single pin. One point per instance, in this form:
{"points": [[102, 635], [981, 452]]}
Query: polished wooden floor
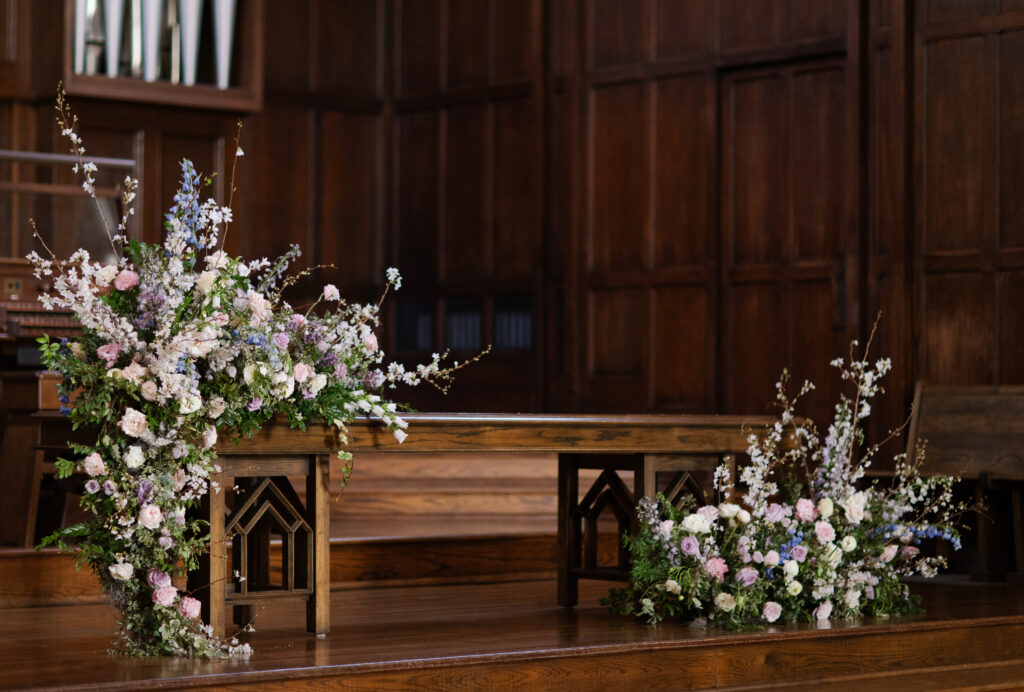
{"points": [[512, 636]]}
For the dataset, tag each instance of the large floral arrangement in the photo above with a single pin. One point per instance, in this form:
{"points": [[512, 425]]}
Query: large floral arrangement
{"points": [[183, 343], [804, 535]]}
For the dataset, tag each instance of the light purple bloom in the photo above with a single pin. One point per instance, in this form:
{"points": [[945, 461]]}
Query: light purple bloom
{"points": [[746, 576], [255, 405], [771, 611], [689, 546], [798, 553], [92, 487], [341, 371], [157, 577], [109, 487], [775, 513], [281, 340]]}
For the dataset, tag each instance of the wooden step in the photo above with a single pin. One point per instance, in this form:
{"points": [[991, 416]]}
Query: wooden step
{"points": [[511, 636]]}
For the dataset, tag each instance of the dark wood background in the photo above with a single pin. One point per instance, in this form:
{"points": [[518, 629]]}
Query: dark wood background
{"points": [[678, 197]]}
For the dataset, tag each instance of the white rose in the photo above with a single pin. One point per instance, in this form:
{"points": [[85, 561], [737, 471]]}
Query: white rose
{"points": [[77, 350], [217, 260], [725, 602], [107, 274], [834, 557], [696, 523], [209, 437], [728, 510], [151, 517], [134, 373], [122, 571], [243, 269], [790, 569], [248, 372], [93, 465], [825, 507], [134, 458], [149, 390], [672, 586], [743, 516], [133, 423], [852, 598], [854, 507], [206, 280], [848, 543], [190, 404], [216, 408], [317, 383], [794, 588]]}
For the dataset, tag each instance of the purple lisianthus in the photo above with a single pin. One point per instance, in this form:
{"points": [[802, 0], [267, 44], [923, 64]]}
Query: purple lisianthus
{"points": [[341, 371], [281, 340], [746, 576], [255, 405], [109, 487], [689, 546], [92, 487], [798, 553], [157, 577], [145, 487]]}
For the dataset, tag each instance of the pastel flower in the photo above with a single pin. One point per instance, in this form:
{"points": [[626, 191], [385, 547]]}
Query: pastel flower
{"points": [[728, 510], [725, 602], [910, 551], [848, 543], [825, 507], [301, 372], [805, 510], [331, 292], [853, 507], [206, 280], [317, 383], [798, 552], [794, 588], [165, 595], [824, 531], [106, 275], [665, 528], [134, 423], [771, 611], [771, 558], [743, 516], [209, 437], [709, 512], [852, 598], [672, 586], [92, 486], [109, 353], [889, 553], [93, 465], [746, 576], [126, 280], [696, 523], [255, 404], [190, 607], [689, 546], [716, 568], [791, 568], [134, 458], [122, 571], [400, 435], [180, 478], [281, 340], [109, 487], [151, 517], [216, 407], [823, 611], [156, 577], [134, 373], [370, 342], [775, 513], [258, 306], [296, 321]]}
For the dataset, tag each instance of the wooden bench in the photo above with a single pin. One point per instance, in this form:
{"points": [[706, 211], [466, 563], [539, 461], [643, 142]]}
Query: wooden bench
{"points": [[975, 432], [641, 445]]}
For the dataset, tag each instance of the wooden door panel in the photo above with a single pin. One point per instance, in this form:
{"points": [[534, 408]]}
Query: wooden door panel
{"points": [[682, 369], [753, 346], [816, 19], [751, 23], [515, 40], [616, 32], [1011, 333], [1011, 139], [418, 39], [416, 178], [685, 28], [518, 196], [959, 335], [467, 188], [468, 46], [618, 333]]}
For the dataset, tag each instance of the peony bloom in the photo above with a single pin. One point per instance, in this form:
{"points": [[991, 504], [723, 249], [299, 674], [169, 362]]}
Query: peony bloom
{"points": [[217, 260], [281, 340], [317, 384], [853, 507], [805, 510], [689, 546], [216, 408], [824, 531], [189, 607], [134, 423], [771, 558], [775, 513], [910, 551], [889, 553], [180, 478], [165, 595], [716, 568], [149, 390], [825, 507], [157, 577], [823, 611], [709, 512], [665, 528], [696, 523], [126, 280], [301, 372], [746, 576], [189, 404], [93, 465], [771, 611], [258, 306], [109, 353], [106, 275], [725, 602], [296, 321], [151, 517], [134, 373], [122, 571], [134, 458], [331, 292]]}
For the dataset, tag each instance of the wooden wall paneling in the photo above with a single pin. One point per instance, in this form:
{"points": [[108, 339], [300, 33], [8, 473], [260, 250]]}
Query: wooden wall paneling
{"points": [[617, 32], [1010, 289], [417, 186], [938, 10], [287, 27], [959, 328], [747, 24], [1011, 140], [685, 28], [467, 227], [617, 338], [517, 37], [683, 365], [348, 37], [351, 202], [419, 37], [469, 43], [808, 20], [518, 194]]}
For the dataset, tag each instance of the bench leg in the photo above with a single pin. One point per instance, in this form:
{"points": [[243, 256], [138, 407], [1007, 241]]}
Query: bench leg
{"points": [[568, 530], [318, 609], [210, 581]]}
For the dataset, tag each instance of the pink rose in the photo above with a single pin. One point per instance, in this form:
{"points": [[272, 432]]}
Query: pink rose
{"points": [[109, 352], [331, 292], [220, 318], [258, 306], [775, 513], [771, 558], [93, 465], [296, 321], [709, 512], [746, 576], [126, 280], [889, 553], [189, 607], [370, 341], [179, 478], [805, 510], [771, 611], [165, 595], [910, 551], [689, 546], [134, 423], [798, 552], [301, 372], [716, 568], [824, 531], [151, 517]]}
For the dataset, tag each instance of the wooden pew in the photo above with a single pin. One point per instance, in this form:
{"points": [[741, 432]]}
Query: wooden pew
{"points": [[975, 432], [642, 445]]}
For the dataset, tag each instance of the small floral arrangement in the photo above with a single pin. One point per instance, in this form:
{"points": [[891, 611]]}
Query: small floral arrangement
{"points": [[830, 545], [183, 343]]}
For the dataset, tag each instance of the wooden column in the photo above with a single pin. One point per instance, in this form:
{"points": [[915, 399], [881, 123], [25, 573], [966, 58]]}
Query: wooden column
{"points": [[318, 608], [568, 530]]}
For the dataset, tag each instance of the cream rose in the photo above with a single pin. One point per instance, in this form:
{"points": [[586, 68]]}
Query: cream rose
{"points": [[190, 404], [149, 390], [106, 275], [93, 465], [301, 372], [696, 523], [134, 458], [122, 571], [206, 280], [209, 437], [725, 602], [826, 507], [317, 383], [134, 373], [794, 588], [848, 543], [151, 517], [216, 408], [133, 423], [728, 510]]}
